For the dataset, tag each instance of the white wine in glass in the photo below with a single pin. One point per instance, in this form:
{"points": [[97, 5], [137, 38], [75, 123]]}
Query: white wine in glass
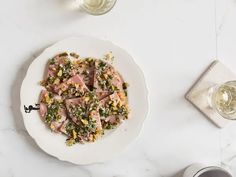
{"points": [[222, 98], [97, 7]]}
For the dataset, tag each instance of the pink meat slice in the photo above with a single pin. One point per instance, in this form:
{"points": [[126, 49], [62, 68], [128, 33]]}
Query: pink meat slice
{"points": [[73, 80], [43, 110], [53, 69], [60, 60], [73, 102], [113, 119], [117, 81], [86, 72], [63, 127], [81, 102], [102, 94], [55, 125], [113, 97], [96, 117], [63, 130], [42, 106], [50, 72]]}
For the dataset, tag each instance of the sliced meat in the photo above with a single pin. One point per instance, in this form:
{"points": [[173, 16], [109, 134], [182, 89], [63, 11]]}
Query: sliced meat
{"points": [[51, 111], [71, 105], [42, 110], [96, 116], [113, 119], [51, 73], [56, 124], [85, 69], [113, 109], [83, 112], [72, 87], [42, 106], [63, 127], [83, 97], [42, 95], [106, 79], [59, 69], [102, 94]]}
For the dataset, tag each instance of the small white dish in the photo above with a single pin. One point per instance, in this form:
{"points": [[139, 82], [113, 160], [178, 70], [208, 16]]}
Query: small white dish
{"points": [[113, 142]]}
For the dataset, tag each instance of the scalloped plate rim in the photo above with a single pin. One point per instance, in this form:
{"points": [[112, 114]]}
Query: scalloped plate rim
{"points": [[138, 129]]}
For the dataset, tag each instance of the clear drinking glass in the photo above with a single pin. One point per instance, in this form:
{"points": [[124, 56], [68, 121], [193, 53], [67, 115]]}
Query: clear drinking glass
{"points": [[222, 98], [96, 7]]}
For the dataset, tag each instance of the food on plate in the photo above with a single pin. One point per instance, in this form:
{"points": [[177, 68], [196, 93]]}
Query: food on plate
{"points": [[82, 97]]}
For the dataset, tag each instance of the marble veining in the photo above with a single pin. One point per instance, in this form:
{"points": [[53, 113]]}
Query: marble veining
{"points": [[172, 41]]}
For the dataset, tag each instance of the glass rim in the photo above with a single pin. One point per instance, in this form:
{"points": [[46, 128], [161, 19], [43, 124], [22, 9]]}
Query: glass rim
{"points": [[102, 13], [213, 106], [212, 169]]}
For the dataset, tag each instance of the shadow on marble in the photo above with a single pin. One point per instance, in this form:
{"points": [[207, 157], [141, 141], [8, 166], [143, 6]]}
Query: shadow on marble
{"points": [[179, 173]]}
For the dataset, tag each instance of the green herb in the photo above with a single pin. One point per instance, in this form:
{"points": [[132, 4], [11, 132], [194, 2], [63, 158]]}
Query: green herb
{"points": [[66, 70], [52, 113], [52, 61], [104, 112], [50, 80], [50, 94], [126, 93], [65, 54], [102, 65], [89, 61], [74, 55], [69, 127], [125, 85], [123, 111], [109, 126]]}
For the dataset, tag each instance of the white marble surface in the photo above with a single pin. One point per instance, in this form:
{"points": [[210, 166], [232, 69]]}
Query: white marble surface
{"points": [[173, 42]]}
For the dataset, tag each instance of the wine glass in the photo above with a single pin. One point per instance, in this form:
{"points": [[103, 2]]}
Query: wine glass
{"points": [[222, 98], [96, 7]]}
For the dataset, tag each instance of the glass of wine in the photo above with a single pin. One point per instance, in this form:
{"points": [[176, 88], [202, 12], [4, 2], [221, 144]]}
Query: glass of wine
{"points": [[222, 98], [96, 7]]}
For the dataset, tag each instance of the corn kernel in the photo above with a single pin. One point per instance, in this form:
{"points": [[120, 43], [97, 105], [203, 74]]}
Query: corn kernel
{"points": [[85, 122], [70, 142], [74, 134], [57, 81], [59, 74]]}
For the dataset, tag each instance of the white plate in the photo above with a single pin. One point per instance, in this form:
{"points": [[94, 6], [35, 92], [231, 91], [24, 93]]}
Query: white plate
{"points": [[112, 143]]}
